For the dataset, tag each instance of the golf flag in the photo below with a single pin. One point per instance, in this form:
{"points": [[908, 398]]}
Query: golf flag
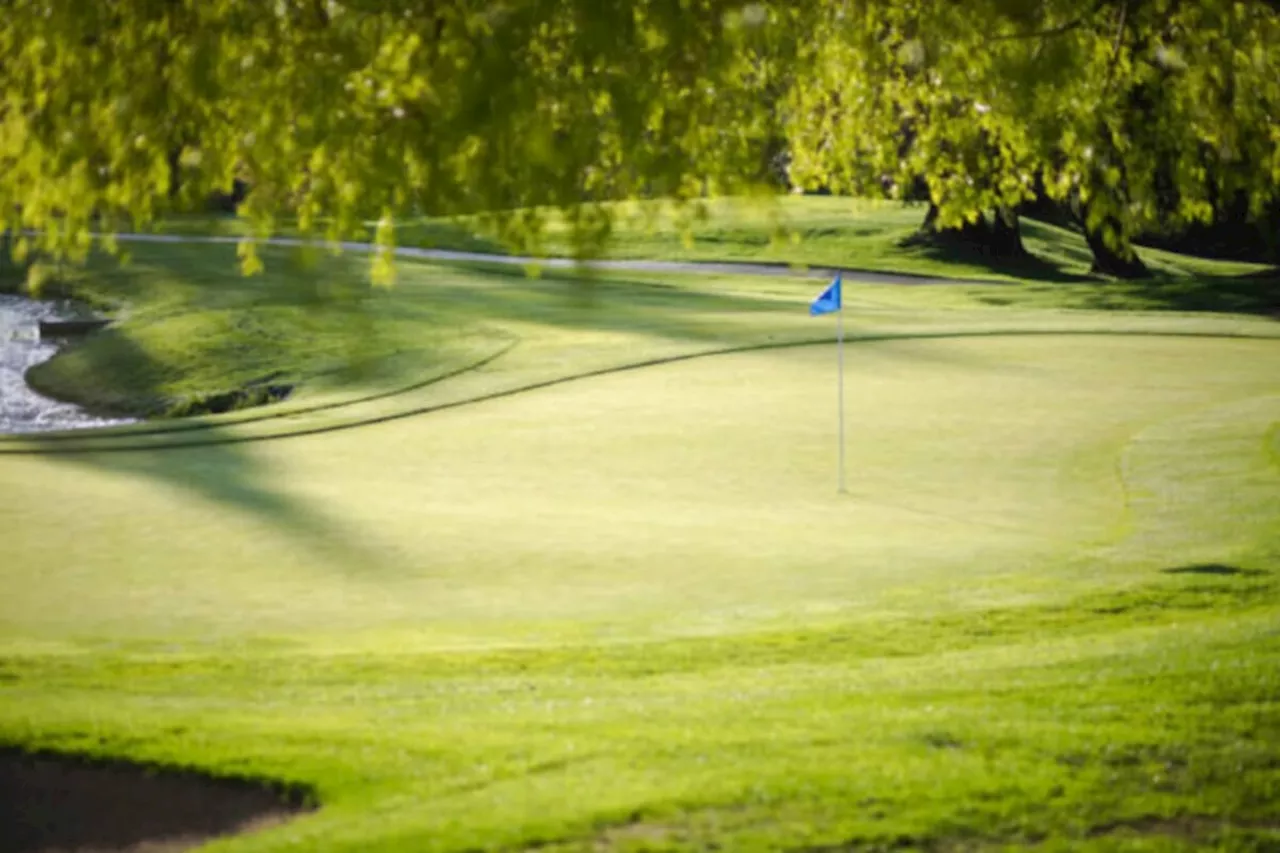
{"points": [[828, 301]]}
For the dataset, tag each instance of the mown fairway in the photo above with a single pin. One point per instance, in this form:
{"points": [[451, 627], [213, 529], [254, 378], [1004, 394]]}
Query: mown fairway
{"points": [[628, 611]]}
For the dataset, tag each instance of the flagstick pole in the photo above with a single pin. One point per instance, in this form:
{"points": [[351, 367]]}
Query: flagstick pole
{"points": [[840, 381]]}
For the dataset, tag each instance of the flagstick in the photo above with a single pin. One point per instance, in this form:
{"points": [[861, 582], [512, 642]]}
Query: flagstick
{"points": [[840, 382]]}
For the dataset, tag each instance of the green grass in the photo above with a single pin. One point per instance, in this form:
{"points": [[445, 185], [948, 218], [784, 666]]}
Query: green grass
{"points": [[809, 230], [557, 601], [1078, 725], [189, 328]]}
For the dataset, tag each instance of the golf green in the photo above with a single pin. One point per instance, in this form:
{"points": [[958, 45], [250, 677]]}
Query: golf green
{"points": [[686, 498]]}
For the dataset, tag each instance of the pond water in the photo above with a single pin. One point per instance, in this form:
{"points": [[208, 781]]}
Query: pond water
{"points": [[22, 409]]}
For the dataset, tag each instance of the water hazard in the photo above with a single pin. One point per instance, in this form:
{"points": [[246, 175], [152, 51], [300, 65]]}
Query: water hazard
{"points": [[22, 409]]}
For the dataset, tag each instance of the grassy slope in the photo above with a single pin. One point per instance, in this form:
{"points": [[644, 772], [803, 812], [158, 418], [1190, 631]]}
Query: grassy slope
{"points": [[811, 230], [187, 328], [854, 233], [628, 612]]}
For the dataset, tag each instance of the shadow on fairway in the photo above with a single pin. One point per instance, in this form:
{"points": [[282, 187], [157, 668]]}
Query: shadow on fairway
{"points": [[1215, 569], [426, 233], [1031, 267], [236, 477], [231, 475], [1246, 294], [301, 320], [587, 299], [1256, 293], [567, 298], [50, 802], [577, 300]]}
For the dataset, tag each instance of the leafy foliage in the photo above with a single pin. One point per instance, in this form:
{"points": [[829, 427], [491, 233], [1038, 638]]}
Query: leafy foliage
{"points": [[338, 111], [1139, 113], [342, 111]]}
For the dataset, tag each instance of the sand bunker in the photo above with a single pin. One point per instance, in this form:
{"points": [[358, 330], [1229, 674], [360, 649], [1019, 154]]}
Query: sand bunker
{"points": [[51, 804]]}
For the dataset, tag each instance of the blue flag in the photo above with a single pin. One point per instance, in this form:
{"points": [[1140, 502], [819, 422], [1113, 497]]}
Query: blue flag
{"points": [[828, 301]]}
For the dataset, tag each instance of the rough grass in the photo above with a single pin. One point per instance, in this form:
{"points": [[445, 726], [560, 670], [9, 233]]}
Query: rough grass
{"points": [[628, 611], [1089, 725], [187, 328], [808, 230]]}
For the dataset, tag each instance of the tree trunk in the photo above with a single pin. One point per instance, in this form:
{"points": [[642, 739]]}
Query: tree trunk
{"points": [[1006, 235], [175, 172], [974, 233], [997, 237], [1119, 262]]}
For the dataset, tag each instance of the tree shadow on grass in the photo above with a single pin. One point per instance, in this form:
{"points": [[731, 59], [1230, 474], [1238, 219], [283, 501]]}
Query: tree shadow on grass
{"points": [[1031, 266], [239, 478], [208, 276], [467, 304], [1215, 569], [1255, 293], [319, 313], [452, 295], [1249, 294], [444, 234], [589, 300]]}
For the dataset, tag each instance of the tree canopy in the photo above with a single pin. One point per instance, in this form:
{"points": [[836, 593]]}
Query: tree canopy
{"points": [[1137, 113], [340, 111], [1140, 113]]}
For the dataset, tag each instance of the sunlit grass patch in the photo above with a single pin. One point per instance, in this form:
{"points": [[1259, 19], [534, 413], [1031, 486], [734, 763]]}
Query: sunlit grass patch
{"points": [[594, 589]]}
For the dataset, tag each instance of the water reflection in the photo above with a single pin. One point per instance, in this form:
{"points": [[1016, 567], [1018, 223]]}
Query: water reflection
{"points": [[22, 409]]}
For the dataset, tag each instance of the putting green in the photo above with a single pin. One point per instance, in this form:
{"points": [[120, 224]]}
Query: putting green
{"points": [[691, 497]]}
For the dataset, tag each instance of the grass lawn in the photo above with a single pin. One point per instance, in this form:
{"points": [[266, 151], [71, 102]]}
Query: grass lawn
{"points": [[559, 563], [828, 231]]}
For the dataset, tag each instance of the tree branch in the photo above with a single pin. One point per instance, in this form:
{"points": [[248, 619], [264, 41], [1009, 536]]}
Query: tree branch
{"points": [[1043, 34], [1115, 44], [1061, 29]]}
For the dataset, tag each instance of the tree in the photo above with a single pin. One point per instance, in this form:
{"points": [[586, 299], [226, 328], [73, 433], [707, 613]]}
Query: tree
{"points": [[1136, 113], [337, 111], [1108, 105]]}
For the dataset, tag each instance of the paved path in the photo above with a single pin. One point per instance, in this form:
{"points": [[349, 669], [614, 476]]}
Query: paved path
{"points": [[691, 267]]}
